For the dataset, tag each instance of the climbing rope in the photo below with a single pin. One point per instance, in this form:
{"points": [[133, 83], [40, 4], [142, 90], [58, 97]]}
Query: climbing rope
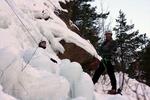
{"points": [[29, 60], [20, 21], [27, 31]]}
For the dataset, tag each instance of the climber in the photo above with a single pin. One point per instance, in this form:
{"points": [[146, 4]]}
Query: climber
{"points": [[107, 50], [42, 44]]}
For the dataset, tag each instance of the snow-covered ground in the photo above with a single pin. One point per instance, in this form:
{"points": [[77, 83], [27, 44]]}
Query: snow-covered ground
{"points": [[132, 89], [28, 72]]}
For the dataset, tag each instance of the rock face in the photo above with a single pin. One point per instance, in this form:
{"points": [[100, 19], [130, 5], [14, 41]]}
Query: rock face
{"points": [[75, 53]]}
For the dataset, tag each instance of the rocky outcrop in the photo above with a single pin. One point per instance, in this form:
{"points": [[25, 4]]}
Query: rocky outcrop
{"points": [[77, 54]]}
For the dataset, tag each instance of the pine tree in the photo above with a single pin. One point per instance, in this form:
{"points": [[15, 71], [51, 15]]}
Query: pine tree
{"points": [[128, 41]]}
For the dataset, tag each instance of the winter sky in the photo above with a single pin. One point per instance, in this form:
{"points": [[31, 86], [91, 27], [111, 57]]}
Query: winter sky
{"points": [[137, 12]]}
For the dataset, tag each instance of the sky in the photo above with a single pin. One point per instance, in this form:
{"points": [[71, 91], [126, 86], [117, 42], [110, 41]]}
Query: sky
{"points": [[137, 12]]}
